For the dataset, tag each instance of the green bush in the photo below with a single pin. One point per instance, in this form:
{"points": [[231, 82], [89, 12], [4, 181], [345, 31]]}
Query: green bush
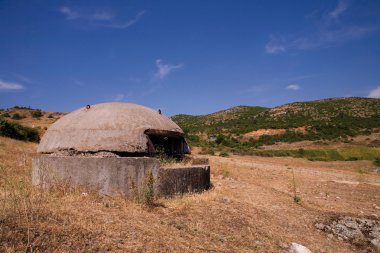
{"points": [[19, 132], [17, 116], [36, 114], [6, 115], [377, 161], [223, 154]]}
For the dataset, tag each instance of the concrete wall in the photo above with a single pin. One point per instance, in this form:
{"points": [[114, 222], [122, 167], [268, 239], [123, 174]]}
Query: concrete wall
{"points": [[119, 175], [183, 179], [110, 175]]}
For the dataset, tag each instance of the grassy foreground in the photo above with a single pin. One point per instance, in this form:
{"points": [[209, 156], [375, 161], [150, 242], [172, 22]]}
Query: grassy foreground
{"points": [[251, 208], [346, 154]]}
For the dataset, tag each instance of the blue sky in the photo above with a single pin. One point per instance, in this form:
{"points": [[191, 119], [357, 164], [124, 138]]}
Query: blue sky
{"points": [[192, 57]]}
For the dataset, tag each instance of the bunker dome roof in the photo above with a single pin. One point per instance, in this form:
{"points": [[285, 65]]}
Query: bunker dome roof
{"points": [[119, 127]]}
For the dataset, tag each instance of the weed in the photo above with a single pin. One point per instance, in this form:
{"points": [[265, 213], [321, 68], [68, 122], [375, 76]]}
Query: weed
{"points": [[148, 189], [163, 157], [296, 198]]}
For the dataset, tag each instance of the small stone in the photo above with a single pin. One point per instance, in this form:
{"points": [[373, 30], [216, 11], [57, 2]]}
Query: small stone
{"points": [[320, 226], [298, 248], [330, 236], [376, 242], [283, 245], [226, 200]]}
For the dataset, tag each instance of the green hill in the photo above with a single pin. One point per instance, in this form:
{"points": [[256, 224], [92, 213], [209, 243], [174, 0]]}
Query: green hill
{"points": [[350, 112], [323, 120], [234, 120]]}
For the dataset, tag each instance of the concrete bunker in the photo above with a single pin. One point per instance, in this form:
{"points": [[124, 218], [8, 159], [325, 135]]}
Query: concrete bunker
{"points": [[112, 147]]}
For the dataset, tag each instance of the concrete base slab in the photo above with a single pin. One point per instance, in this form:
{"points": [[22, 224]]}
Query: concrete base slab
{"points": [[119, 175]]}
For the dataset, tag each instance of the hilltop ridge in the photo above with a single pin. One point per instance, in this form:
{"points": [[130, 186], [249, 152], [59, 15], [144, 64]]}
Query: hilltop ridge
{"points": [[243, 119]]}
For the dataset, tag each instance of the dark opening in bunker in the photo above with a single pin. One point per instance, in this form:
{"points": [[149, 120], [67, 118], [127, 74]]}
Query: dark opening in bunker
{"points": [[166, 142]]}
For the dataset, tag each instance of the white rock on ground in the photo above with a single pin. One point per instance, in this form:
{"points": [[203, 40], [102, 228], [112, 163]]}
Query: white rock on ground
{"points": [[298, 248]]}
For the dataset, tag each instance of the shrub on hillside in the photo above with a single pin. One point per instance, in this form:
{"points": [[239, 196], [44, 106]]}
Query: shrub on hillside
{"points": [[17, 131], [36, 114], [17, 116], [223, 154]]}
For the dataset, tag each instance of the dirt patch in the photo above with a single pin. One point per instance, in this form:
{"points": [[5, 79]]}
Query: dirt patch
{"points": [[269, 131]]}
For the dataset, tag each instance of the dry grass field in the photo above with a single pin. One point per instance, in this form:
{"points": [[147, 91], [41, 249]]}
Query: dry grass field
{"points": [[250, 208]]}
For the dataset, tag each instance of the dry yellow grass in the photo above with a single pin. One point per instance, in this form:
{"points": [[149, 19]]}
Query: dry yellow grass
{"points": [[249, 209]]}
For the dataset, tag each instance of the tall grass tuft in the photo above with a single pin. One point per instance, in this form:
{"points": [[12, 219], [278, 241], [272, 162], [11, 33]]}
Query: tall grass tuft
{"points": [[148, 189], [296, 198]]}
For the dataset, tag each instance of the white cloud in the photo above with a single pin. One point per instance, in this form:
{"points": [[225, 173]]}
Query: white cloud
{"points": [[293, 87], [69, 13], [102, 15], [274, 46], [126, 24], [10, 86], [79, 82], [98, 15], [101, 18], [339, 9], [119, 97], [328, 31], [22, 78], [375, 93], [165, 69]]}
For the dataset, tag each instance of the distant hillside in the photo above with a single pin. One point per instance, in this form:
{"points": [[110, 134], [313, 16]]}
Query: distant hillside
{"points": [[25, 123], [326, 119], [351, 112], [235, 119]]}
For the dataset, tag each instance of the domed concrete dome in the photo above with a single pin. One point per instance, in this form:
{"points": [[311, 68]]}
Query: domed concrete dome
{"points": [[114, 127]]}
